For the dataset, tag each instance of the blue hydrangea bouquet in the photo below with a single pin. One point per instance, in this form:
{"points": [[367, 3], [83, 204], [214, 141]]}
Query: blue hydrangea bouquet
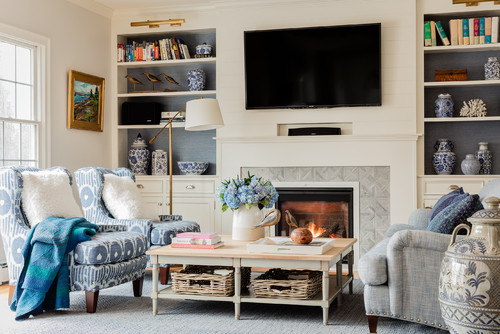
{"points": [[249, 191]]}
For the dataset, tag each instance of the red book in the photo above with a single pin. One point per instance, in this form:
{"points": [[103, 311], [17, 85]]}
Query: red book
{"points": [[197, 235], [217, 245], [476, 31]]}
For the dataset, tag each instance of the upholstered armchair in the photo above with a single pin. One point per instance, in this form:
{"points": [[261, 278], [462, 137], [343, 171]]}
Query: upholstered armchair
{"points": [[90, 182], [401, 272], [113, 256]]}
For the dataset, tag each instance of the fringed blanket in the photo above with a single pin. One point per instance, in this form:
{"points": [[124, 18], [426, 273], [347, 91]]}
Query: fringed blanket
{"points": [[44, 280]]}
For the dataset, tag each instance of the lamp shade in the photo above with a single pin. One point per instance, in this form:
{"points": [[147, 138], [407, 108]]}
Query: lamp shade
{"points": [[203, 114]]}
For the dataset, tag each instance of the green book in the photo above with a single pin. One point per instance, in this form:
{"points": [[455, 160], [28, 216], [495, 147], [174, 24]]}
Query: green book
{"points": [[442, 34], [427, 34]]}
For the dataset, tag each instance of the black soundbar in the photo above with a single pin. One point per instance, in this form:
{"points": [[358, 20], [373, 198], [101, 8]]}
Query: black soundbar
{"points": [[314, 132]]}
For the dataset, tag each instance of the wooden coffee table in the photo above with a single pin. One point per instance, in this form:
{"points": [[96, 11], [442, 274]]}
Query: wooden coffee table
{"points": [[235, 254]]}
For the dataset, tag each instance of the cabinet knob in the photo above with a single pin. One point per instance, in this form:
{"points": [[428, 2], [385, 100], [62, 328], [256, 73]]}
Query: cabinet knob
{"points": [[140, 186], [160, 204], [190, 186]]}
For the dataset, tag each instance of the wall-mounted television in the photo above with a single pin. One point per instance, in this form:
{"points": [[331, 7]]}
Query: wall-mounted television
{"points": [[317, 67]]}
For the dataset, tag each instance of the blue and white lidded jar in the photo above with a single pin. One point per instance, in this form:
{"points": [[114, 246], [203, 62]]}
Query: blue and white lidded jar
{"points": [[196, 79], [444, 106], [138, 156], [159, 165], [444, 159], [492, 69], [470, 165], [469, 281], [485, 158], [204, 49]]}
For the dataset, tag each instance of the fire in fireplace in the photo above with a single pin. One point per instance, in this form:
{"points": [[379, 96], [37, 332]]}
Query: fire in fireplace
{"points": [[326, 212]]}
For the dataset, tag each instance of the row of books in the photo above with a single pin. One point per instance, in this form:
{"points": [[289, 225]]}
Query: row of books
{"points": [[167, 116], [197, 240], [480, 30], [163, 49]]}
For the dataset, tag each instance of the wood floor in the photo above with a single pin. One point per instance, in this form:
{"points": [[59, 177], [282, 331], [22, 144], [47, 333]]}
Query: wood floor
{"points": [[4, 289]]}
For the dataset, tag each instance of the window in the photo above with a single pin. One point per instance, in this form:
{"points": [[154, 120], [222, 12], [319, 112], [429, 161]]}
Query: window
{"points": [[22, 132]]}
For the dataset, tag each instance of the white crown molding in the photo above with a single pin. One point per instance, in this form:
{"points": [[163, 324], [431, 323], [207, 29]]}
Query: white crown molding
{"points": [[95, 7]]}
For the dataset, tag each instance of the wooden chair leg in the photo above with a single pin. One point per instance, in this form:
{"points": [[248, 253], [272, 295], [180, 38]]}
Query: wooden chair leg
{"points": [[372, 323], [137, 284], [12, 288], [91, 300], [164, 273]]}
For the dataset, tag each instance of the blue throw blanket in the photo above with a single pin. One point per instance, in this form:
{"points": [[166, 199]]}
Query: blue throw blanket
{"points": [[44, 280]]}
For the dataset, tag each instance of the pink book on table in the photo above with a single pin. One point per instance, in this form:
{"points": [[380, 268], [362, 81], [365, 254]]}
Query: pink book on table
{"points": [[194, 235]]}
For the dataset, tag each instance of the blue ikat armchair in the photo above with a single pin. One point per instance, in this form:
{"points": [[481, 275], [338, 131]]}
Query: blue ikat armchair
{"points": [[90, 182], [113, 256]]}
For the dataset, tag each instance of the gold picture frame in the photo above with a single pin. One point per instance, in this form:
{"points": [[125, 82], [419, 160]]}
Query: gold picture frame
{"points": [[85, 101]]}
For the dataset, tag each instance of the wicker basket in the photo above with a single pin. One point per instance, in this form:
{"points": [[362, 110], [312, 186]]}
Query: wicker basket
{"points": [[201, 280], [289, 284]]}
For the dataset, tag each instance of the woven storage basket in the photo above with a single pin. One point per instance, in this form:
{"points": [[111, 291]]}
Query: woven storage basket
{"points": [[201, 280], [279, 283]]}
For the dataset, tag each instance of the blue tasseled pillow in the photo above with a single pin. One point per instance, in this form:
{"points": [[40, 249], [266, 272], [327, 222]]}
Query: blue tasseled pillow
{"points": [[454, 214], [444, 201]]}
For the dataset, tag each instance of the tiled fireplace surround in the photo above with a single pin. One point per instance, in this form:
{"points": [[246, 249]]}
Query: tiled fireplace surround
{"points": [[374, 192]]}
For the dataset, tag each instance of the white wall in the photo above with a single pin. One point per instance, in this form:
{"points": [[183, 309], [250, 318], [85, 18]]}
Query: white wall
{"points": [[79, 40]]}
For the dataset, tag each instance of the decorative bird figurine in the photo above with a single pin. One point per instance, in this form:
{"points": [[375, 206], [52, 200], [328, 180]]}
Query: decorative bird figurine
{"points": [[290, 220], [152, 78], [133, 81], [271, 218], [171, 81]]}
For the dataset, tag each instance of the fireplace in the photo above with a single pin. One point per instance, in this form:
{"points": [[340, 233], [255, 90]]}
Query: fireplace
{"points": [[326, 212]]}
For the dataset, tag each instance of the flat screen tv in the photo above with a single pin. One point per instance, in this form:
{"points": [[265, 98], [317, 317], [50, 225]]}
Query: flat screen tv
{"points": [[318, 67]]}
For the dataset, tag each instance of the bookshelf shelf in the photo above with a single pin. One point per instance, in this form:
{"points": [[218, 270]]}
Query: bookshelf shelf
{"points": [[460, 119], [461, 48], [161, 63], [155, 126], [169, 94], [467, 83]]}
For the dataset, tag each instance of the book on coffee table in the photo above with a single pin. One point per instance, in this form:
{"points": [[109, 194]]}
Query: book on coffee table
{"points": [[286, 245]]}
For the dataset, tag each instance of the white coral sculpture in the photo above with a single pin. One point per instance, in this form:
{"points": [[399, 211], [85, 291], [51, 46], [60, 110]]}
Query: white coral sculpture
{"points": [[475, 108]]}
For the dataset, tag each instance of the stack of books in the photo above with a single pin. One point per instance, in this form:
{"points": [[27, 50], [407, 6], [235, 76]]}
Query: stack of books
{"points": [[468, 31], [197, 240]]}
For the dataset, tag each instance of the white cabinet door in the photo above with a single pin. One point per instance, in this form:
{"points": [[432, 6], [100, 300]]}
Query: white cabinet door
{"points": [[155, 206], [200, 210]]}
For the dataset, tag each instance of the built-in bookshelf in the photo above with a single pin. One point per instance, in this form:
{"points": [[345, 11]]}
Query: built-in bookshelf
{"points": [[130, 49]]}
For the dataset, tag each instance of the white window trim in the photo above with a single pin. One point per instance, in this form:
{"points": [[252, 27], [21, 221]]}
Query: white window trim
{"points": [[42, 95]]}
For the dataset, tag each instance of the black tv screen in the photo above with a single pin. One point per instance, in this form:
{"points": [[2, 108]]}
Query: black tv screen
{"points": [[319, 67]]}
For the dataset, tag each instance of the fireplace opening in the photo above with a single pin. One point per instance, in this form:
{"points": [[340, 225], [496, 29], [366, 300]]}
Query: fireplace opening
{"points": [[326, 212]]}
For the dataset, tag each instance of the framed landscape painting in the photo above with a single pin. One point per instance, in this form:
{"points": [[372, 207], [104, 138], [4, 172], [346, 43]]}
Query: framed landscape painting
{"points": [[85, 101]]}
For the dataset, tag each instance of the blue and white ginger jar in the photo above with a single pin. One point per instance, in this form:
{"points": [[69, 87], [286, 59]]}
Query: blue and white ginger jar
{"points": [[492, 69], [204, 49], [444, 159], [469, 282], [470, 165], [138, 156], [444, 106], [196, 80], [485, 158], [159, 163]]}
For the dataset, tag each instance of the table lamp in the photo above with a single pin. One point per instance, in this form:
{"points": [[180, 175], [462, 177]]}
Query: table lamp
{"points": [[201, 114]]}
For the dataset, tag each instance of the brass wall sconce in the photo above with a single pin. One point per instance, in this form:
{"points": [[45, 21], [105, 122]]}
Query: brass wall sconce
{"points": [[473, 2], [156, 24]]}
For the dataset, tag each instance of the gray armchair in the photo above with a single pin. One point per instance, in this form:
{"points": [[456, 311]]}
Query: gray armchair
{"points": [[401, 272], [113, 255]]}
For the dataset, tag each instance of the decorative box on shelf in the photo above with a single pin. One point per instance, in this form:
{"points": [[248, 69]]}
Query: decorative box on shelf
{"points": [[208, 280], [288, 284], [286, 245]]}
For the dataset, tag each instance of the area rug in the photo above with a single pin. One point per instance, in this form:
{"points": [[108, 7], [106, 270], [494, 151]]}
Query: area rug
{"points": [[119, 312]]}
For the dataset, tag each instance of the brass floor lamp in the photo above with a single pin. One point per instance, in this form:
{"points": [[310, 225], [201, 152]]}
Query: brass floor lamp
{"points": [[201, 114]]}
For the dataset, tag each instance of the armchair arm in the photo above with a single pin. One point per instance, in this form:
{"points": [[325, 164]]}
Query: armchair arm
{"points": [[398, 227], [142, 226], [414, 261]]}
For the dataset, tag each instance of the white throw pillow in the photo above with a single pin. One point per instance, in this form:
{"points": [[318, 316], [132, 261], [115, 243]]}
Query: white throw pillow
{"points": [[48, 193], [122, 198]]}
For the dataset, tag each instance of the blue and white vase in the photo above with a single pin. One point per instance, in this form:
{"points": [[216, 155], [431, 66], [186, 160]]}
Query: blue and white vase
{"points": [[204, 49], [138, 156], [485, 158], [196, 79], [444, 159], [469, 281], [444, 106], [159, 163], [492, 69], [470, 165]]}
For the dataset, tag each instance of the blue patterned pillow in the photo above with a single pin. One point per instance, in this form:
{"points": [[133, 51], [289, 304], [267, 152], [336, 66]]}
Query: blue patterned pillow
{"points": [[454, 214], [444, 201]]}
